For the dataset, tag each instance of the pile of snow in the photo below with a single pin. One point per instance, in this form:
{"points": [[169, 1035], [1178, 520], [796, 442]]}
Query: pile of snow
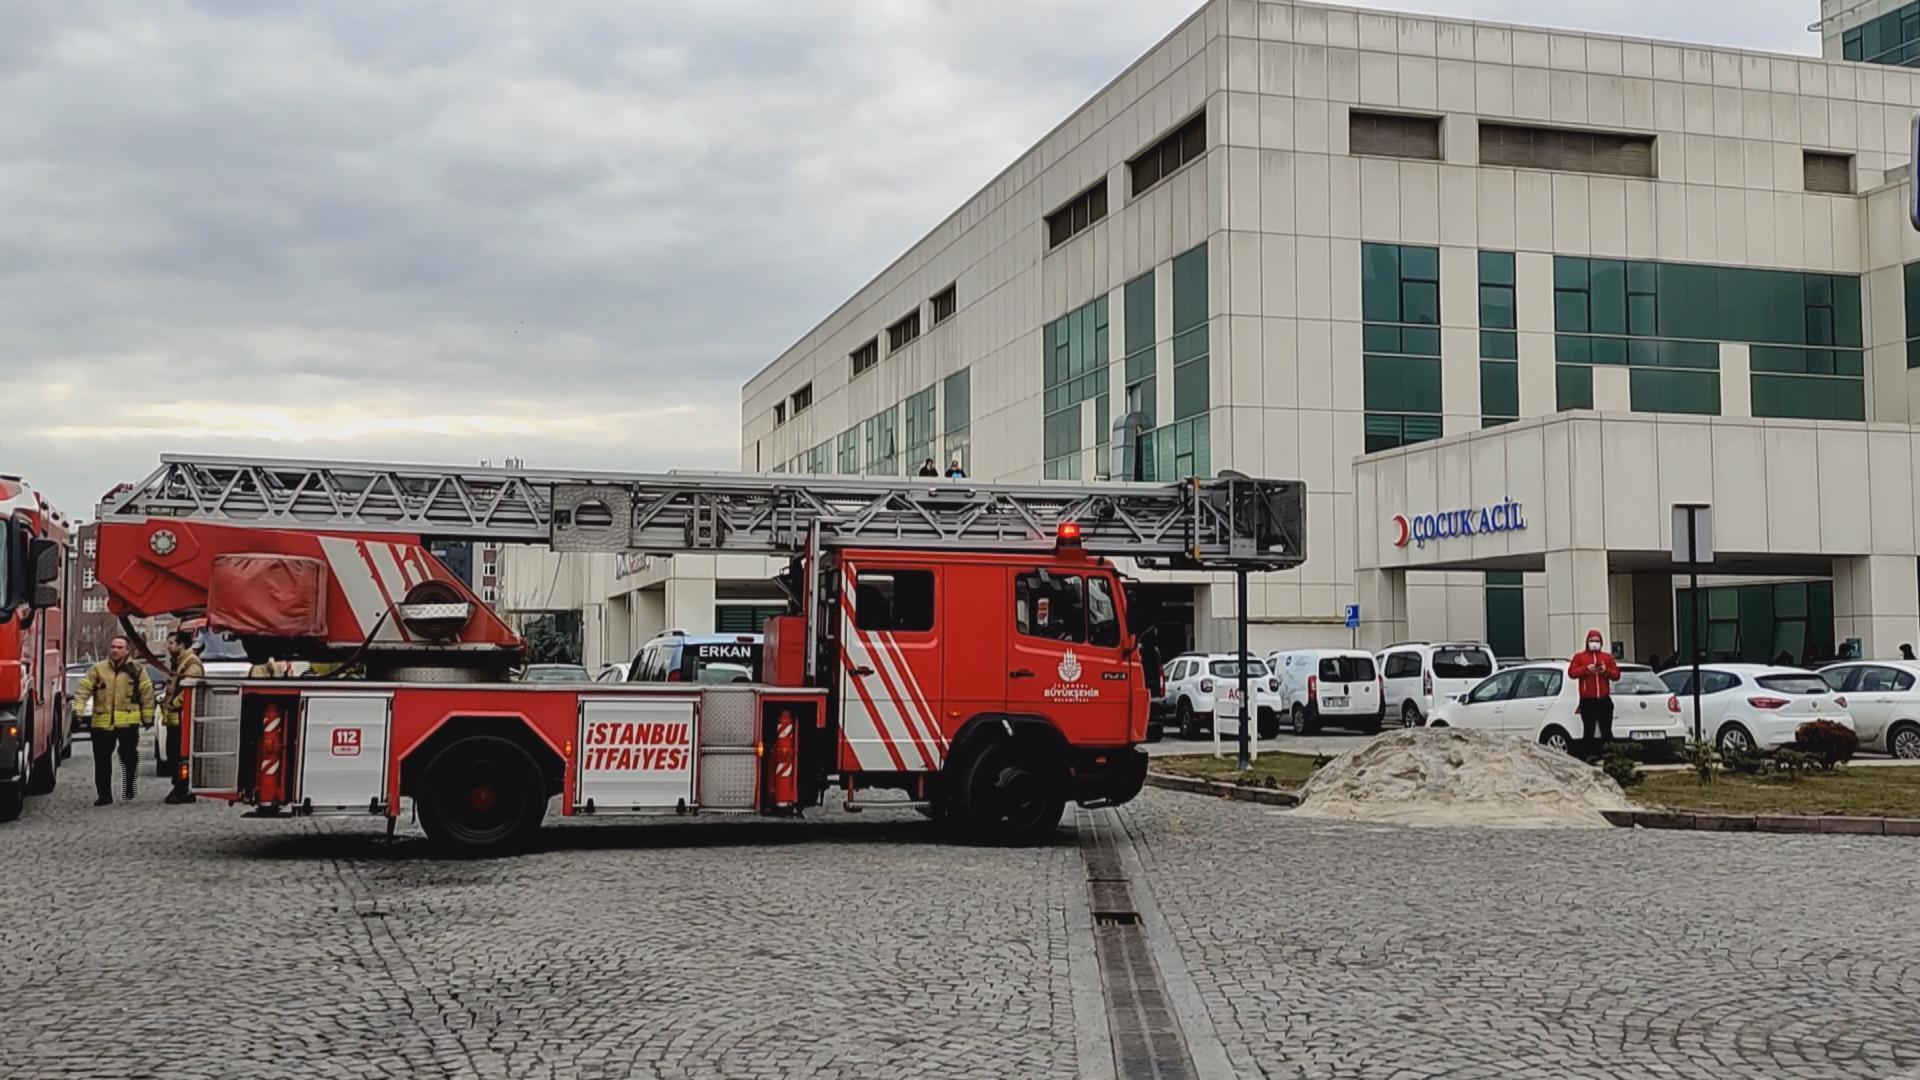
{"points": [[1447, 776]]}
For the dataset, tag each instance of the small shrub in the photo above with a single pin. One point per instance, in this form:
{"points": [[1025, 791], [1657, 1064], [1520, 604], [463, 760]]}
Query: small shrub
{"points": [[1746, 762], [1623, 768], [1793, 764], [1832, 743], [1701, 757]]}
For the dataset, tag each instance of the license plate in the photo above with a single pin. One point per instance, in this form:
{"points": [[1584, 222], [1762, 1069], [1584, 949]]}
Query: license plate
{"points": [[1334, 702], [1646, 735]]}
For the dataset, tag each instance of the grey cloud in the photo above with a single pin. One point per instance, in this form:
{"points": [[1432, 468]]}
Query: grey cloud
{"points": [[221, 209]]}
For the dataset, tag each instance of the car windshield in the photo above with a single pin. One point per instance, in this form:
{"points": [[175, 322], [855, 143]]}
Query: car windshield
{"points": [[723, 662], [1795, 684], [1346, 668], [1639, 681], [720, 674], [1229, 669], [1462, 663], [556, 673], [221, 646]]}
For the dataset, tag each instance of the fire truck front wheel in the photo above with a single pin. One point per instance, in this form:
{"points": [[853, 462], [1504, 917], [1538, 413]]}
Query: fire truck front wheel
{"points": [[481, 795], [1013, 790]]}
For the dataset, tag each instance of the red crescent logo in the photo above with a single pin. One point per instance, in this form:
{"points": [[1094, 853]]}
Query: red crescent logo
{"points": [[1406, 531]]}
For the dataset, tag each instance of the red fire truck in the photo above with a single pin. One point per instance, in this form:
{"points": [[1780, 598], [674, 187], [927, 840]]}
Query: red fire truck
{"points": [[966, 644], [33, 729]]}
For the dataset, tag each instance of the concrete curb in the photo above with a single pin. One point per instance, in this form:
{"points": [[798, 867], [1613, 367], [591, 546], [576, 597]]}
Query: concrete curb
{"points": [[1625, 819], [1831, 825], [1196, 786]]}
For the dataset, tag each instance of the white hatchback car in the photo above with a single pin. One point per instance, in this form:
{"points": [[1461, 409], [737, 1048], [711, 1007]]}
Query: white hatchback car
{"points": [[1417, 675], [1194, 682], [1749, 706], [1328, 686], [1883, 700], [1539, 702]]}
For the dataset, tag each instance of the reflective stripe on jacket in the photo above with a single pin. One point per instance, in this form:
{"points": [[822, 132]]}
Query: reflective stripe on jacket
{"points": [[187, 666], [119, 697]]}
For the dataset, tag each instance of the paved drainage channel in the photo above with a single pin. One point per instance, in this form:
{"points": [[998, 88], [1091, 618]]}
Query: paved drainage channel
{"points": [[1146, 1037]]}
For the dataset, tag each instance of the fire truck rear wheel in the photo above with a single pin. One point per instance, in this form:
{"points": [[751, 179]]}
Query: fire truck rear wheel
{"points": [[1012, 792], [481, 795]]}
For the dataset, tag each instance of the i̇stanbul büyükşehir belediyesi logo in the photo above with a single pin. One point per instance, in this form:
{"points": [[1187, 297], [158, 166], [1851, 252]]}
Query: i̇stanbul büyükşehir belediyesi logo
{"points": [[1500, 517], [1070, 667]]}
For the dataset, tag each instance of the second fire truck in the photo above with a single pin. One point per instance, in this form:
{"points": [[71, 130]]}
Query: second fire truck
{"points": [[967, 644]]}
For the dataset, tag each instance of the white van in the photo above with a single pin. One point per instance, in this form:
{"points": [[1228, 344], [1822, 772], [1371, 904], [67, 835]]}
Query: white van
{"points": [[1329, 686], [1416, 675]]}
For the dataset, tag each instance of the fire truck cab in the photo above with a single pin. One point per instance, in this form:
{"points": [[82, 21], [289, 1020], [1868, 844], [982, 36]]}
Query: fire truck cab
{"points": [[965, 677], [33, 727]]}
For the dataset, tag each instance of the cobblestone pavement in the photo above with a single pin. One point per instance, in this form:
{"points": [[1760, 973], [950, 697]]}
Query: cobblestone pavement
{"points": [[1323, 950], [196, 944]]}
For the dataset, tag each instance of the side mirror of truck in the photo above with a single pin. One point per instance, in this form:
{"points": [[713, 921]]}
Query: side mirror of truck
{"points": [[46, 562]]}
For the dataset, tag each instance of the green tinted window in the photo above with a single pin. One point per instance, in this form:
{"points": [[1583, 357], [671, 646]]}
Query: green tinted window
{"points": [[1496, 268], [1573, 387], [1075, 353], [1400, 301], [1380, 282], [1190, 289], [1506, 615], [1402, 384], [1675, 391], [958, 391], [1190, 388], [1499, 389], [1809, 398], [1384, 431], [1499, 345], [1138, 301]]}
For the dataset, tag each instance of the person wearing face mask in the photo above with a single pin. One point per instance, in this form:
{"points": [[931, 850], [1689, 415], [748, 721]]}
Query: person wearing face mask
{"points": [[1596, 672]]}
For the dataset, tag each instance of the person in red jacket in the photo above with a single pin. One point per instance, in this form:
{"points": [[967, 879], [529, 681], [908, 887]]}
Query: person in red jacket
{"points": [[1595, 670]]}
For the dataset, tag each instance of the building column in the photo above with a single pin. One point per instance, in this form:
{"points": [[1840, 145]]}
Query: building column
{"points": [[1577, 599], [1382, 596], [690, 604], [1876, 598]]}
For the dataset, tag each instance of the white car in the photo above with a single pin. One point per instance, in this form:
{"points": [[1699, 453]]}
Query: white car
{"points": [[1329, 686], [1882, 699], [1195, 682], [1417, 675], [1539, 701], [1749, 706]]}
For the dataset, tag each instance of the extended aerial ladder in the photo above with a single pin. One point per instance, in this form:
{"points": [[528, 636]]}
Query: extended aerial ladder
{"points": [[963, 642], [1231, 523]]}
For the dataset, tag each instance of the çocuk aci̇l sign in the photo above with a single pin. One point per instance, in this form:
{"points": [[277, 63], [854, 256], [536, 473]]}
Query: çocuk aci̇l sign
{"points": [[1420, 529]]}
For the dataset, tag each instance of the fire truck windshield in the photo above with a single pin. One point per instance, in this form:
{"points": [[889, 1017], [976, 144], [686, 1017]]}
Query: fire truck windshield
{"points": [[220, 646]]}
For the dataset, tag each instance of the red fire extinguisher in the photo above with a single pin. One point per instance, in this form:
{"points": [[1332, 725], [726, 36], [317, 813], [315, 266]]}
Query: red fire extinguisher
{"points": [[270, 784]]}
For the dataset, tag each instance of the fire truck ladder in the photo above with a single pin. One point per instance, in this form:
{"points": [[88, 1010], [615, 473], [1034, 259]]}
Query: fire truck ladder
{"points": [[1229, 523]]}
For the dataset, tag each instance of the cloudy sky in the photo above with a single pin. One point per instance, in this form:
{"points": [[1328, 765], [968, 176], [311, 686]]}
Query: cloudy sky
{"points": [[454, 231]]}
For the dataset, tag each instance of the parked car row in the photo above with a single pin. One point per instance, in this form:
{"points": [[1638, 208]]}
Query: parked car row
{"points": [[1460, 684], [1742, 706]]}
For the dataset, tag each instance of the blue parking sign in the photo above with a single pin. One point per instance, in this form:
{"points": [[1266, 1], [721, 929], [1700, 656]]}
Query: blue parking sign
{"points": [[1353, 616]]}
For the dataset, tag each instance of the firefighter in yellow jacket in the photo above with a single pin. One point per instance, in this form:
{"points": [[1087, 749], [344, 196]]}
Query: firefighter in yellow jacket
{"points": [[119, 697], [185, 664]]}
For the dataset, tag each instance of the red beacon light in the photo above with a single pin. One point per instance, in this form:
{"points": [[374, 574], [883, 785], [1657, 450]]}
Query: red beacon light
{"points": [[1069, 532]]}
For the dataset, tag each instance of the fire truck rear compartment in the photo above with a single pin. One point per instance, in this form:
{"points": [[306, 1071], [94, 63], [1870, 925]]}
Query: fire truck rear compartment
{"points": [[483, 776]]}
